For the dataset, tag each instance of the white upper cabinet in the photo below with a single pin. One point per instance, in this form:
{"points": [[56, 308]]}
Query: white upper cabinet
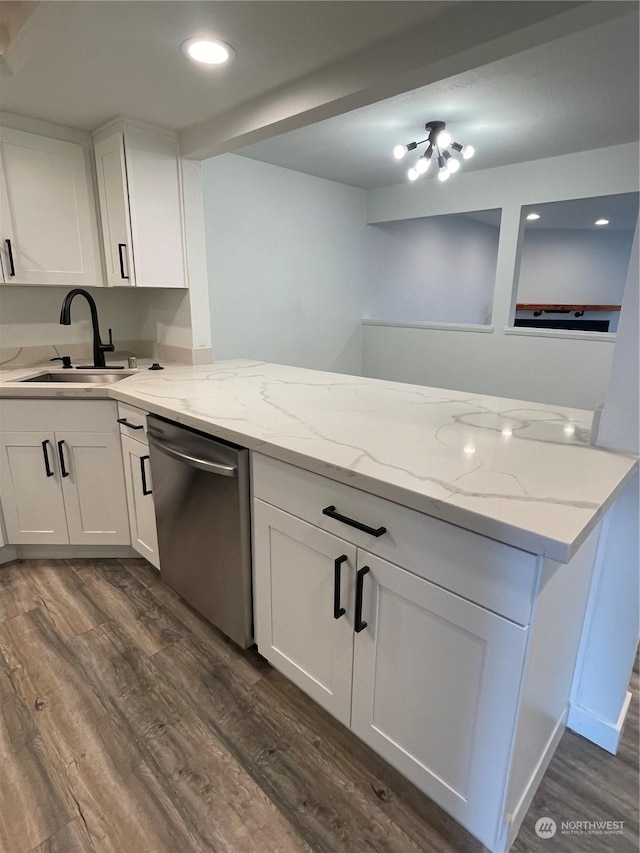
{"points": [[140, 195], [47, 218], [114, 210]]}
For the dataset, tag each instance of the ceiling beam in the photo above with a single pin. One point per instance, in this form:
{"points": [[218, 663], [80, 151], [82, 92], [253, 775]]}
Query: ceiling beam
{"points": [[465, 36]]}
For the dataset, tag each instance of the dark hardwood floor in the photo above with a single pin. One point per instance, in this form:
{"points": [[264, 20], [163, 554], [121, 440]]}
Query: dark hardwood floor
{"points": [[129, 725]]}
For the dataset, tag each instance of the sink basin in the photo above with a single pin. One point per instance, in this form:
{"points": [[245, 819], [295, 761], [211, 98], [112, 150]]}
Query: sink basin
{"points": [[84, 376]]}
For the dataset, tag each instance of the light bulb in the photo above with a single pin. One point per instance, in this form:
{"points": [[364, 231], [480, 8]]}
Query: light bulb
{"points": [[422, 165], [413, 174], [444, 139], [208, 51], [452, 166], [533, 216], [468, 151], [443, 175], [601, 222], [399, 151]]}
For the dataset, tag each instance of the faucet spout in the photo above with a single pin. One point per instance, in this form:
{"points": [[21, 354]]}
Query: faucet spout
{"points": [[99, 348]]}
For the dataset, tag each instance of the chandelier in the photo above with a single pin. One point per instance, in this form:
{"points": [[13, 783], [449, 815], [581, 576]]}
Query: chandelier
{"points": [[440, 147]]}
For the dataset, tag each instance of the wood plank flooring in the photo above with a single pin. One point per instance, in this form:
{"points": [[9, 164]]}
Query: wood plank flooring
{"points": [[129, 725]]}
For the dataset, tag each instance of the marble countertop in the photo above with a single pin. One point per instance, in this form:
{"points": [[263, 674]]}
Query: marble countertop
{"points": [[519, 472]]}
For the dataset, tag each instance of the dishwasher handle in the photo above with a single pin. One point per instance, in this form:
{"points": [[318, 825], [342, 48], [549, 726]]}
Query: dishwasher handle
{"points": [[194, 461]]}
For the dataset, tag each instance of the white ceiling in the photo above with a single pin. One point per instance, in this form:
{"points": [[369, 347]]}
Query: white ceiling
{"points": [[572, 94], [581, 213], [82, 63]]}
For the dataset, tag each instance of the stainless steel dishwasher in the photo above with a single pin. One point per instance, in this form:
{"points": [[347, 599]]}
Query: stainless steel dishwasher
{"points": [[201, 491]]}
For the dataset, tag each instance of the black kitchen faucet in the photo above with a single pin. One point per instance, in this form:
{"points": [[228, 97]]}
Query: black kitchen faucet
{"points": [[99, 348]]}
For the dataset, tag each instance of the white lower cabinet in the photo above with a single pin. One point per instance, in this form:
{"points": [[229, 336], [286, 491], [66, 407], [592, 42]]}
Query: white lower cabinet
{"points": [[298, 570], [436, 681], [31, 489], [142, 518], [429, 680], [66, 485], [450, 654], [92, 488]]}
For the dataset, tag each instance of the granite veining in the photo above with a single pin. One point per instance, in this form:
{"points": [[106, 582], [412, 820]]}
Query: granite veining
{"points": [[523, 473]]}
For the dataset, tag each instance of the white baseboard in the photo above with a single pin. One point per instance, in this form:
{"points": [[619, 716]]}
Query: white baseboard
{"points": [[603, 733], [8, 553], [519, 813], [65, 552]]}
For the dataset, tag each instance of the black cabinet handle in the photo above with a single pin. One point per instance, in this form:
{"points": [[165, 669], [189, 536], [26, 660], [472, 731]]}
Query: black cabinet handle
{"points": [[360, 625], [331, 512], [122, 246], [63, 468], [12, 268], [127, 424], [143, 473], [337, 610], [45, 453]]}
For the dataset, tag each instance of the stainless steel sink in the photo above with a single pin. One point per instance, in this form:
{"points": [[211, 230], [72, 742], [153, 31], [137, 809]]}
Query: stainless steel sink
{"points": [[84, 376]]}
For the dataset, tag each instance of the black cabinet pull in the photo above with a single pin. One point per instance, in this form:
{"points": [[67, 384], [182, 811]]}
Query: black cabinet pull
{"points": [[122, 246], [12, 268], [127, 424], [63, 469], [143, 473], [331, 512], [337, 610], [360, 625], [45, 453]]}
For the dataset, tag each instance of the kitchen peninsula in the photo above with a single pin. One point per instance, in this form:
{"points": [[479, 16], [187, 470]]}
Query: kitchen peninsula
{"points": [[462, 587], [519, 472]]}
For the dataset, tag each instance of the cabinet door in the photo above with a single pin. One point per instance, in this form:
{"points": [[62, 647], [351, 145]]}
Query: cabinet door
{"points": [[114, 210], [296, 629], [154, 179], [142, 517], [47, 223], [436, 681], [93, 488], [31, 496]]}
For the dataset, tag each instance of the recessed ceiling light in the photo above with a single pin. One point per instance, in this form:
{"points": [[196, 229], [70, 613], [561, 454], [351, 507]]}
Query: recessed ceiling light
{"points": [[208, 51], [601, 222], [533, 216]]}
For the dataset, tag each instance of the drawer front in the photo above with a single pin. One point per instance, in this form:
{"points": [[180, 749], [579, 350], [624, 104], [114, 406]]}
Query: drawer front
{"points": [[133, 422], [58, 415], [489, 573]]}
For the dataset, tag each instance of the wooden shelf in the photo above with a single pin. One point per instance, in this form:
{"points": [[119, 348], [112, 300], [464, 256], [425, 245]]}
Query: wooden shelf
{"points": [[562, 309]]}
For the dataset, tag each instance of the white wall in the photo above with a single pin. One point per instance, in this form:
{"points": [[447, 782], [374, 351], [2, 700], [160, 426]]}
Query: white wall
{"points": [[574, 266], [619, 426], [164, 316], [527, 364], [438, 269], [547, 370], [30, 316], [610, 637], [285, 254]]}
